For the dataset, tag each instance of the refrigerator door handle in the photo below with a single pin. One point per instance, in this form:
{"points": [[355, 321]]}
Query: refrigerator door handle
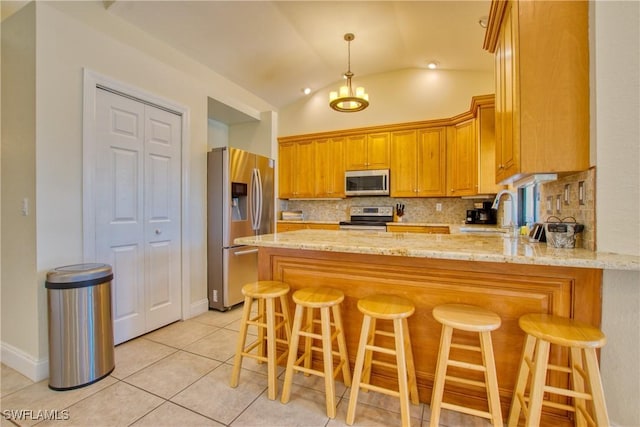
{"points": [[256, 199], [247, 252]]}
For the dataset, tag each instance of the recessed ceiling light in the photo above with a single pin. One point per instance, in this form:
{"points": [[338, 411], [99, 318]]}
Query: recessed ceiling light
{"points": [[306, 90], [432, 65]]}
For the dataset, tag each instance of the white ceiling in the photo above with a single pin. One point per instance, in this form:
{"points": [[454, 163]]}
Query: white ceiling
{"points": [[275, 48]]}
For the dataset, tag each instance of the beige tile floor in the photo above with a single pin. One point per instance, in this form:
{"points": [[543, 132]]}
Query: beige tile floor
{"points": [[179, 376]]}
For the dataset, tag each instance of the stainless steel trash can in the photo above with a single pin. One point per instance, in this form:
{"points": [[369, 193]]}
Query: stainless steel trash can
{"points": [[81, 349]]}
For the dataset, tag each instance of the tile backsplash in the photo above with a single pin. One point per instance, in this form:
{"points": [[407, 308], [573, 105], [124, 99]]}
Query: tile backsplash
{"points": [[453, 210], [574, 195]]}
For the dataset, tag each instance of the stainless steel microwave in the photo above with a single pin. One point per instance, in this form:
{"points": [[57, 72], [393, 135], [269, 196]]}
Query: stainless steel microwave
{"points": [[367, 182]]}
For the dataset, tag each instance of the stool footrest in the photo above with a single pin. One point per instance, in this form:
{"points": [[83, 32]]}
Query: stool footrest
{"points": [[466, 410], [465, 381], [380, 349], [466, 347], [466, 365], [385, 364], [379, 389]]}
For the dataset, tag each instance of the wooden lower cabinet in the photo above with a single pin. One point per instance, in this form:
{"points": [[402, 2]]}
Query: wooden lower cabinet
{"points": [[510, 290], [428, 229], [290, 226]]}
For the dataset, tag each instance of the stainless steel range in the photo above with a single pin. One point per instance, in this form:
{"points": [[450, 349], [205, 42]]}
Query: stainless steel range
{"points": [[368, 218]]}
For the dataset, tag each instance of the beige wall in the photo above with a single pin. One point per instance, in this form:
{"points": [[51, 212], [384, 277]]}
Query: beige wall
{"points": [[402, 96], [615, 56], [50, 170], [19, 289]]}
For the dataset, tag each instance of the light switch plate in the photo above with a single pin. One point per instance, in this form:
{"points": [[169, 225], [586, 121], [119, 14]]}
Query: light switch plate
{"points": [[581, 192]]}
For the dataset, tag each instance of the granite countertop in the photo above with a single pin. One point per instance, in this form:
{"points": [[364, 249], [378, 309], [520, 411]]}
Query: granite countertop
{"points": [[483, 247]]}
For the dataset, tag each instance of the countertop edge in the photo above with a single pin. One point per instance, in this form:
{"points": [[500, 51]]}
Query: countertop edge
{"points": [[558, 257]]}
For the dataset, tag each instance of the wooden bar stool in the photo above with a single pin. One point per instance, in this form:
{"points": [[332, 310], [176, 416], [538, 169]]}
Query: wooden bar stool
{"points": [[472, 319], [396, 309], [328, 301], [582, 340], [268, 321]]}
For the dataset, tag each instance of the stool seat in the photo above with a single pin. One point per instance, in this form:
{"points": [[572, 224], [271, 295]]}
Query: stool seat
{"points": [[318, 297], [562, 331], [265, 289], [327, 301], [396, 309], [386, 307], [577, 387], [467, 317], [268, 322]]}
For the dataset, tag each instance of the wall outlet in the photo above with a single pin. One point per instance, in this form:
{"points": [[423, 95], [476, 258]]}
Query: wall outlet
{"points": [[438, 207]]}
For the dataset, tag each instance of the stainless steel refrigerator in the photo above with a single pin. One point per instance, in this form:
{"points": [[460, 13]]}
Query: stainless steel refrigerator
{"points": [[239, 204]]}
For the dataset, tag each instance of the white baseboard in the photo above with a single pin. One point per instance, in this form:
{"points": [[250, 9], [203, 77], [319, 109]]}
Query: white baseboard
{"points": [[34, 369], [198, 307]]}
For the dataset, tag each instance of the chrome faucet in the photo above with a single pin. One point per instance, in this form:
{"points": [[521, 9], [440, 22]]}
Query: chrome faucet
{"points": [[514, 208]]}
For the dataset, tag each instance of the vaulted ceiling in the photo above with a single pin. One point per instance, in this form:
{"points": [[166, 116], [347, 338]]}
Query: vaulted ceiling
{"points": [[276, 48]]}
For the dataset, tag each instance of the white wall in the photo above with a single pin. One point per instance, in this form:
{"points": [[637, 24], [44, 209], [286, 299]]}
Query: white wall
{"points": [[402, 96], [64, 46], [615, 51]]}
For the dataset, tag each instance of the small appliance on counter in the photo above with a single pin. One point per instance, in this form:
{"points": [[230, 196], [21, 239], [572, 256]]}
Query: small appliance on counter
{"points": [[561, 233], [482, 214]]}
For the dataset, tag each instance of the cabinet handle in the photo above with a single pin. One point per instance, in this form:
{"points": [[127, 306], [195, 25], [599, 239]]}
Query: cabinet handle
{"points": [[158, 231]]}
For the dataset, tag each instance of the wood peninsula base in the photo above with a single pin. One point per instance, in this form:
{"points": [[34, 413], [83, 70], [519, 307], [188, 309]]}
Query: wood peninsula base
{"points": [[510, 290]]}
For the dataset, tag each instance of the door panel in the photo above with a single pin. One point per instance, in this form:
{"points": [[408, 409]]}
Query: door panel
{"points": [[162, 217], [137, 205], [241, 164], [242, 268]]}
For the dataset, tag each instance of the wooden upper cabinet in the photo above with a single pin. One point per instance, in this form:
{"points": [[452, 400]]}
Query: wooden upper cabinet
{"points": [[542, 86], [329, 167], [486, 134], [431, 160], [418, 162], [462, 159], [367, 151], [296, 169]]}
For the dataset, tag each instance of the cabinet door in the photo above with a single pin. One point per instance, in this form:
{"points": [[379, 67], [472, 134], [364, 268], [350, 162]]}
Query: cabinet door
{"points": [[404, 163], [378, 149], [431, 161], [462, 167], [329, 167], [286, 169], [507, 137], [486, 134], [355, 153], [304, 176]]}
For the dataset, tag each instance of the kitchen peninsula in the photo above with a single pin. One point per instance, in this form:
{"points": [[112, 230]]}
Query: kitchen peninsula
{"points": [[507, 275]]}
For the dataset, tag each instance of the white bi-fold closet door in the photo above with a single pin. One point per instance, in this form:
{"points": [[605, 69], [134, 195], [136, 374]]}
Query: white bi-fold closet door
{"points": [[137, 211]]}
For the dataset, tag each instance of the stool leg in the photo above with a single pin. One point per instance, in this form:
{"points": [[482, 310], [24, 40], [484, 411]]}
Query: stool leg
{"points": [[521, 382], [493, 394], [577, 380], [242, 337], [411, 367], [538, 378], [308, 342], [284, 309], [401, 362], [441, 370], [595, 385], [261, 337], [357, 370], [327, 357], [271, 349], [293, 353], [368, 356], [342, 345]]}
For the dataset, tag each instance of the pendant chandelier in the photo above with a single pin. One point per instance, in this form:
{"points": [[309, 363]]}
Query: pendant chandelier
{"points": [[346, 100]]}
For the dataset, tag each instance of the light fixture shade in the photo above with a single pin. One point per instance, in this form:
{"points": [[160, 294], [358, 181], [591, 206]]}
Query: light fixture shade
{"points": [[345, 100]]}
